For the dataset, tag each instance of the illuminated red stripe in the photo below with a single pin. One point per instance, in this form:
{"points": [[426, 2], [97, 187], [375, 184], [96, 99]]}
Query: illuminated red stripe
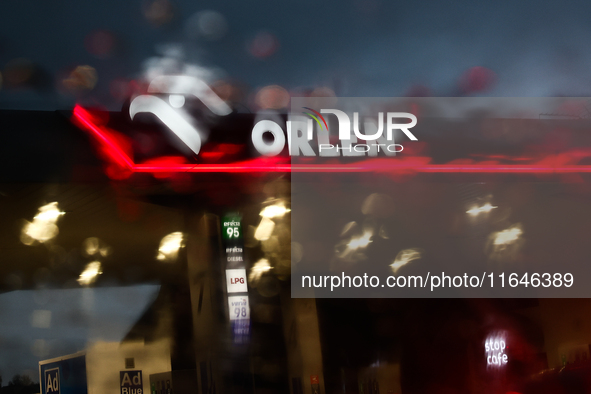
{"points": [[116, 153], [374, 165], [436, 168]]}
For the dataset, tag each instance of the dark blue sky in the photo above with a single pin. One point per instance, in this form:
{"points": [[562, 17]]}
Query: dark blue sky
{"points": [[357, 47]]}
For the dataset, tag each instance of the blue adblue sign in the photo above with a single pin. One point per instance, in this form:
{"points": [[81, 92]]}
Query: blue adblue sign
{"points": [[52, 381]]}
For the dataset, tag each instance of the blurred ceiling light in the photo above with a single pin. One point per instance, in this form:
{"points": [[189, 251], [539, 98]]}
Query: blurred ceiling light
{"points": [[91, 246], [81, 79], [105, 251], [49, 213], [43, 227], [170, 246], [322, 92], [19, 72], [265, 229], [274, 211], [507, 236], [263, 45], [360, 242], [90, 273], [404, 257], [272, 97], [100, 43], [486, 208], [258, 269], [158, 12], [348, 228]]}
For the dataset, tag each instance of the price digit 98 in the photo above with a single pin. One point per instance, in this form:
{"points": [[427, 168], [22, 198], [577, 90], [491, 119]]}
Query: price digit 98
{"points": [[240, 312]]}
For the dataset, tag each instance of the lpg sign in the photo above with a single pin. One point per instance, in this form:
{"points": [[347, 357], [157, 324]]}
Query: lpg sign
{"points": [[236, 281]]}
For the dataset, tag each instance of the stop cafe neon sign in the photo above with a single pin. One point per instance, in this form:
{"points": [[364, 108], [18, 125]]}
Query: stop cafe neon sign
{"points": [[495, 347]]}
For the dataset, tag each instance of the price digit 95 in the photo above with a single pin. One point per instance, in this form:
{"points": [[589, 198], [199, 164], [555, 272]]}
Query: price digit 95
{"points": [[233, 232]]}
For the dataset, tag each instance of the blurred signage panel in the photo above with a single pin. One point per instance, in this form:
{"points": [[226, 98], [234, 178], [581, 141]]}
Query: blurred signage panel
{"points": [[236, 280], [238, 307], [241, 330], [63, 375]]}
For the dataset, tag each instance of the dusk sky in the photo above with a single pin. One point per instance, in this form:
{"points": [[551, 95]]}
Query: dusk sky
{"points": [[357, 48], [42, 324]]}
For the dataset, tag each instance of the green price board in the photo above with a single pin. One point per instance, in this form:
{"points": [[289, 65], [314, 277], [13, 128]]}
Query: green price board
{"points": [[231, 229]]}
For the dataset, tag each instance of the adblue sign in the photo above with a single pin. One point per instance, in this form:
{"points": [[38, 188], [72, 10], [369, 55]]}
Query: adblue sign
{"points": [[131, 382], [52, 381]]}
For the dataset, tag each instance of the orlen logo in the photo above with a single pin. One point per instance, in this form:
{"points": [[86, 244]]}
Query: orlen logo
{"points": [[171, 113], [300, 132], [52, 381]]}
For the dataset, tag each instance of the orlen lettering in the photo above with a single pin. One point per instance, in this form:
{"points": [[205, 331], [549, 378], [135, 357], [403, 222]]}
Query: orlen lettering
{"points": [[300, 131]]}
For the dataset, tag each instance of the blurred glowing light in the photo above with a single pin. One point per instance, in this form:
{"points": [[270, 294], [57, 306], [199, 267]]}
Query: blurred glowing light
{"points": [[360, 242], [274, 211], [477, 79], [19, 72], [507, 236], [404, 257], [265, 229], [486, 208], [210, 25], [263, 45], [100, 43], [272, 97], [170, 246], [82, 78], [41, 319], [49, 213], [505, 244], [43, 227], [322, 92], [158, 12], [258, 269], [91, 246], [40, 348], [90, 273]]}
